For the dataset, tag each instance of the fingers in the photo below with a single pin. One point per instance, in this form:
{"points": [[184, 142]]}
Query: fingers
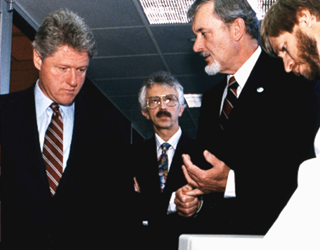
{"points": [[186, 205], [186, 188], [136, 185], [187, 209], [192, 172], [187, 160], [188, 178], [195, 192], [211, 158]]}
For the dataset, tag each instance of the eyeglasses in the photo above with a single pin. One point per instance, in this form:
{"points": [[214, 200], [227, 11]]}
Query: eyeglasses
{"points": [[169, 100]]}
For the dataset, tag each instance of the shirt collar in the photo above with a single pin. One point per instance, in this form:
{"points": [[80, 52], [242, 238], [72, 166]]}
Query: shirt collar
{"points": [[173, 141], [244, 72], [43, 102]]}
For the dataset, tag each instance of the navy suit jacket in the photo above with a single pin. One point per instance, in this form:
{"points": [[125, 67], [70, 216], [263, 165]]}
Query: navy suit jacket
{"points": [[270, 132], [146, 170], [154, 203], [93, 182]]}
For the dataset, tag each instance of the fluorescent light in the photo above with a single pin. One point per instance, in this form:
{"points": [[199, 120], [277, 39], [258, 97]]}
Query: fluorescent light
{"points": [[193, 100], [175, 11], [166, 11], [261, 6]]}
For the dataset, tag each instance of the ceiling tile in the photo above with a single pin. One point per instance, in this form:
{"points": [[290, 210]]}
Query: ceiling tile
{"points": [[124, 41], [173, 38], [124, 67]]}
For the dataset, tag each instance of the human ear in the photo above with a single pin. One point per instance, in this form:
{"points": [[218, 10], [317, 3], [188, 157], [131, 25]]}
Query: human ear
{"points": [[181, 110], [305, 18], [145, 114], [238, 28], [37, 61]]}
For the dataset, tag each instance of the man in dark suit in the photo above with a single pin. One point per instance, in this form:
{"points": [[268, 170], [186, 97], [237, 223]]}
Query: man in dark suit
{"points": [[65, 198], [157, 171], [253, 131]]}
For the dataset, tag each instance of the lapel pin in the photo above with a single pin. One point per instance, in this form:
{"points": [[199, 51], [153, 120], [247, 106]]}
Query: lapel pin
{"points": [[260, 89]]}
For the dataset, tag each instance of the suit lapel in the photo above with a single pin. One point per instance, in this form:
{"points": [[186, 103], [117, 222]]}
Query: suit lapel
{"points": [[24, 114], [175, 174], [74, 170], [154, 159], [251, 95]]}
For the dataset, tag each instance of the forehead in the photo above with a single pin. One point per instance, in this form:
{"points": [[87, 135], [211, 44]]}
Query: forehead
{"points": [[205, 19], [159, 89], [66, 54], [284, 39]]}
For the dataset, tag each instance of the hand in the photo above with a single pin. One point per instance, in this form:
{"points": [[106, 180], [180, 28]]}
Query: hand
{"points": [[136, 185], [186, 205], [206, 181]]}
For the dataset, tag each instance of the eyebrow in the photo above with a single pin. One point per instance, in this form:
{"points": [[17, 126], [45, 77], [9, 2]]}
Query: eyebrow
{"points": [[200, 30]]}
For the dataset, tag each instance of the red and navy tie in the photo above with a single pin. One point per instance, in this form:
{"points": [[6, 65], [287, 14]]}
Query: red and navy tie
{"points": [[53, 149]]}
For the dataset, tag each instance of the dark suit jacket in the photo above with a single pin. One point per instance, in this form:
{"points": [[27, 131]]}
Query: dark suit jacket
{"points": [[94, 190], [154, 203], [268, 135]]}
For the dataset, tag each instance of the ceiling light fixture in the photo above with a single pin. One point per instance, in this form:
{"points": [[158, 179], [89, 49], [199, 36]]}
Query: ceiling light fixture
{"points": [[166, 11], [193, 100]]}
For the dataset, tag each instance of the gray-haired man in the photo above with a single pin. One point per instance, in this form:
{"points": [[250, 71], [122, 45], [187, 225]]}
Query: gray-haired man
{"points": [[61, 151], [158, 172]]}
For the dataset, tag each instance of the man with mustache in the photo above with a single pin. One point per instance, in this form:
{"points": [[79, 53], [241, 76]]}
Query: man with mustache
{"points": [[291, 31], [158, 160], [248, 158]]}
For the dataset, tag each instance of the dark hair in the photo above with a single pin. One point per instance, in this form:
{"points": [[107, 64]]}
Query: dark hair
{"points": [[230, 10], [282, 17], [63, 27]]}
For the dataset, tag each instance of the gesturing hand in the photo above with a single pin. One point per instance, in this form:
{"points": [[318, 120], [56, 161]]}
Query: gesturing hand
{"points": [[206, 181]]}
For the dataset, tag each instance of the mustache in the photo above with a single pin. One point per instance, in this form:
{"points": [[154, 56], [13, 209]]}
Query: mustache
{"points": [[163, 112], [205, 54]]}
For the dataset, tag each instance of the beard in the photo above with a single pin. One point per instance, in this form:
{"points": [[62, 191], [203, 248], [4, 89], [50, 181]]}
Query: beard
{"points": [[309, 55], [213, 68]]}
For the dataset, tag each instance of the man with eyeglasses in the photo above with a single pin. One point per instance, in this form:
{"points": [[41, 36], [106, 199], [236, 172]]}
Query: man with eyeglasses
{"points": [[157, 161]]}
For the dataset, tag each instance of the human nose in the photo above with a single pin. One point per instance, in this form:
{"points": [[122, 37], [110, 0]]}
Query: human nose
{"points": [[162, 104], [288, 63], [72, 77], [197, 46]]}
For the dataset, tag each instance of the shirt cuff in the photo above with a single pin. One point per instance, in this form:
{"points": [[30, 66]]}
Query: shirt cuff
{"points": [[231, 186], [172, 206]]}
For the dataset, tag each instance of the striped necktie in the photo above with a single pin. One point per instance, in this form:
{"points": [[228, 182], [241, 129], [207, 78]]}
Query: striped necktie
{"points": [[53, 149], [229, 102], [163, 165]]}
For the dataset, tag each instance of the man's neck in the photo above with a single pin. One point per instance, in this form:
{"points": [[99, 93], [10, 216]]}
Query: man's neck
{"points": [[166, 134], [247, 48]]}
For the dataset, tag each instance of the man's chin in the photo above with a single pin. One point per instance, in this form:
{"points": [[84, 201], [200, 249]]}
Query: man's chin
{"points": [[314, 76], [212, 69]]}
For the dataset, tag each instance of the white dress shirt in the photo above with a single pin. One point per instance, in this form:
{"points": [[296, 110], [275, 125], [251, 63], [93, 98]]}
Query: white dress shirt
{"points": [[173, 141], [241, 77], [44, 114]]}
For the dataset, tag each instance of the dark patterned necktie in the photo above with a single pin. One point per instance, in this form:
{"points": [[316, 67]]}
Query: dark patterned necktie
{"points": [[229, 102], [53, 149], [163, 165]]}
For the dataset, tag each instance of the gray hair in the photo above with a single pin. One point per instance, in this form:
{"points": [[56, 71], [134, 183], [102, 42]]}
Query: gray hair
{"points": [[230, 10], [63, 27], [160, 78]]}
